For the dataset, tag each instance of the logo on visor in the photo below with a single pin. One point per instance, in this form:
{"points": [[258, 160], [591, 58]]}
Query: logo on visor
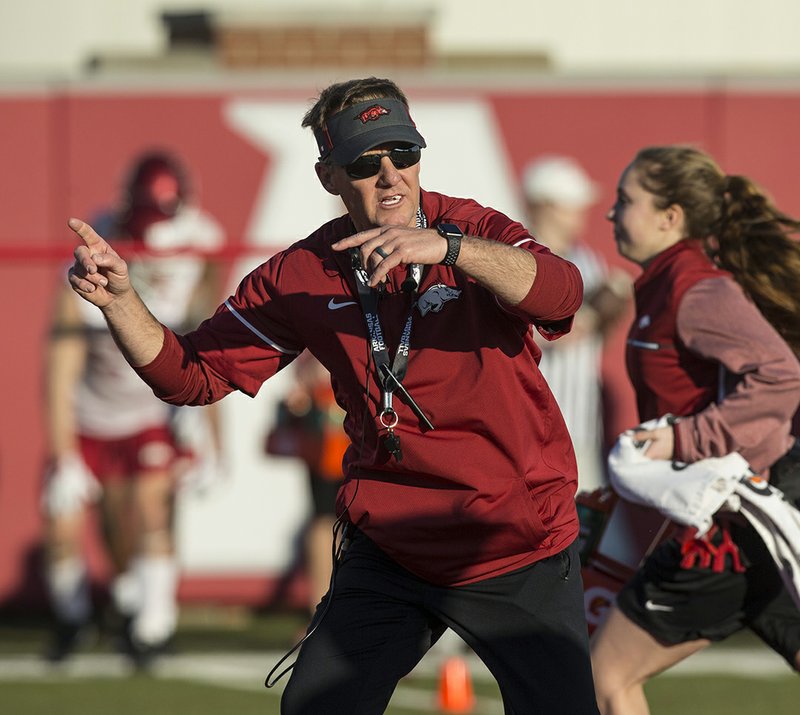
{"points": [[370, 114]]}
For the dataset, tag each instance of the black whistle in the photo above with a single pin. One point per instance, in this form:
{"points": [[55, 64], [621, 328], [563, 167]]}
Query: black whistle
{"points": [[392, 443]]}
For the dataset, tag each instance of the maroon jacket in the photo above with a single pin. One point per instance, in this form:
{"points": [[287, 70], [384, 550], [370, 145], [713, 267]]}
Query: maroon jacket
{"points": [[700, 349], [667, 376], [492, 488]]}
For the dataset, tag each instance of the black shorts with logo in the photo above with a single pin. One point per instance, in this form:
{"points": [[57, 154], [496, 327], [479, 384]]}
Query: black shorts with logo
{"points": [[676, 605]]}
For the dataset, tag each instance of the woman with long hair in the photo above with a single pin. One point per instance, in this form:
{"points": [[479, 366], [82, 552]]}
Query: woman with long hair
{"points": [[714, 343]]}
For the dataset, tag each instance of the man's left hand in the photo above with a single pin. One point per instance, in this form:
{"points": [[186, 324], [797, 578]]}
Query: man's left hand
{"points": [[387, 247]]}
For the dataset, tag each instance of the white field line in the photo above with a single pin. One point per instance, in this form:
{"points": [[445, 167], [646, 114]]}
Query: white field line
{"points": [[229, 670], [249, 669], [242, 671]]}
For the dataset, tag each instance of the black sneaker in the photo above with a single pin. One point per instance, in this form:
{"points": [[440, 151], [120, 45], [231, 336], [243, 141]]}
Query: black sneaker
{"points": [[142, 655], [65, 640]]}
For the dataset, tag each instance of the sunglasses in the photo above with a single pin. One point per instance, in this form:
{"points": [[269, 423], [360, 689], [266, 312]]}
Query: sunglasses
{"points": [[370, 164]]}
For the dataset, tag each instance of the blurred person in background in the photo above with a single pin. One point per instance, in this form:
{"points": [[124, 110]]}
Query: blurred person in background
{"points": [[111, 440], [714, 343], [309, 425], [458, 502], [558, 195]]}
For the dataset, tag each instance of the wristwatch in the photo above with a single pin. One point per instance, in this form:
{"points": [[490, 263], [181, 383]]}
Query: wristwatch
{"points": [[453, 234]]}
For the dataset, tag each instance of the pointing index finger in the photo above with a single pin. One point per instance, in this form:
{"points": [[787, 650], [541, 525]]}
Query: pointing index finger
{"points": [[357, 238], [86, 232]]}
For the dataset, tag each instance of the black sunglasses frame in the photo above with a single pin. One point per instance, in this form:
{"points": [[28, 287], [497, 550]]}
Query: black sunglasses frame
{"points": [[368, 165]]}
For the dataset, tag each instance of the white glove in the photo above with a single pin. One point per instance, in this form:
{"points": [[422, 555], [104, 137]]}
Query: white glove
{"points": [[69, 484]]}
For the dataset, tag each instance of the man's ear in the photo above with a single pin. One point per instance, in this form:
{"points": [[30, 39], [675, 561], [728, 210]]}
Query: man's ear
{"points": [[325, 176]]}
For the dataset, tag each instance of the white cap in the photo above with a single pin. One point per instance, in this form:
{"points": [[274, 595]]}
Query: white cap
{"points": [[560, 180]]}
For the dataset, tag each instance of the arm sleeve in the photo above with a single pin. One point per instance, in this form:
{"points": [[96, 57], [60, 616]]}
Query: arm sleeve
{"points": [[554, 297], [247, 341], [716, 320], [556, 292], [177, 375]]}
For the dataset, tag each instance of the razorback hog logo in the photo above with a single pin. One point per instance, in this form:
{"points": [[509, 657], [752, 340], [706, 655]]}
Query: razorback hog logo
{"points": [[432, 300], [370, 114]]}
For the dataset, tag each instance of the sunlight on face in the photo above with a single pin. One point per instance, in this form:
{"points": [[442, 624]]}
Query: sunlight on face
{"points": [[639, 228], [390, 198]]}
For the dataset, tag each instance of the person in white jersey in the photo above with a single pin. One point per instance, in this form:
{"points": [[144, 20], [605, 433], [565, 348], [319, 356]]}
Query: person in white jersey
{"points": [[558, 194], [111, 441]]}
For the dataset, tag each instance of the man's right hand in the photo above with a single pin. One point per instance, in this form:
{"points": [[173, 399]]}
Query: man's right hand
{"points": [[98, 274]]}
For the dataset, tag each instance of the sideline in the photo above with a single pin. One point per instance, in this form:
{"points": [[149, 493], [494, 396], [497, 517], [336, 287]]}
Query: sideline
{"points": [[237, 671], [246, 671], [249, 669]]}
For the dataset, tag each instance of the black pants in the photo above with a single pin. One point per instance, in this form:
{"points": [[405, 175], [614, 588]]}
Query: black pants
{"points": [[527, 626]]}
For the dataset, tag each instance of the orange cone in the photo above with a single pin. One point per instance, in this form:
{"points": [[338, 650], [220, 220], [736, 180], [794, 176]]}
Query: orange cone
{"points": [[455, 687]]}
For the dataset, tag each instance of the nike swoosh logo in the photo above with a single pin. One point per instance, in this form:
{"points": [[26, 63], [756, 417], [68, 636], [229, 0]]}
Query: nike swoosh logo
{"points": [[336, 306], [650, 606]]}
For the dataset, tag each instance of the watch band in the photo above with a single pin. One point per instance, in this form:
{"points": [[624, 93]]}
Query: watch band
{"points": [[453, 235]]}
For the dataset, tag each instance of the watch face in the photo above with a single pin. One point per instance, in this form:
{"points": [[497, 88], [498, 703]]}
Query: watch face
{"points": [[449, 229]]}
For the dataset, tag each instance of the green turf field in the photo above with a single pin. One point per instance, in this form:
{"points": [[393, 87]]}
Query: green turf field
{"points": [[220, 663], [140, 694]]}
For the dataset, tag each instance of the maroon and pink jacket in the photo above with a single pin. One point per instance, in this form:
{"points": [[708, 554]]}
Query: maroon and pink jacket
{"points": [[701, 350], [489, 490]]}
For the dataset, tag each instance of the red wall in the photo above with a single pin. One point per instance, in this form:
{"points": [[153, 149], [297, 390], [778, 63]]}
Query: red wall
{"points": [[63, 153]]}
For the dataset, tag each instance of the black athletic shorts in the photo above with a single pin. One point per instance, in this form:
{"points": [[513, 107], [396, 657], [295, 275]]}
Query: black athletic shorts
{"points": [[676, 605]]}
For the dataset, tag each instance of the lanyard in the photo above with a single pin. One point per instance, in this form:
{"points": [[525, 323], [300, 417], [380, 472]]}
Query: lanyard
{"points": [[390, 374]]}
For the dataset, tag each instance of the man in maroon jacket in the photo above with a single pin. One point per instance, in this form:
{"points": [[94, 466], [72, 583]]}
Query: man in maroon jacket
{"points": [[457, 509]]}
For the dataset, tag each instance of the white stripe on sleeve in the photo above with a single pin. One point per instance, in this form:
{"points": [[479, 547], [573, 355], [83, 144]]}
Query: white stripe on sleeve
{"points": [[257, 332]]}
